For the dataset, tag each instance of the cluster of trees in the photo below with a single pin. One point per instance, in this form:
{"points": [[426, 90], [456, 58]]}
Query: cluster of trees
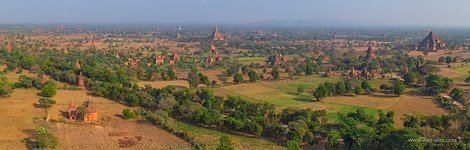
{"points": [[357, 87], [435, 84], [195, 78], [447, 59], [295, 67]]}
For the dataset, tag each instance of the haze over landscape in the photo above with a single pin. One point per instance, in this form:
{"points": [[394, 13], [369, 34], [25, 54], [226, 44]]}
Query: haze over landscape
{"points": [[347, 12]]}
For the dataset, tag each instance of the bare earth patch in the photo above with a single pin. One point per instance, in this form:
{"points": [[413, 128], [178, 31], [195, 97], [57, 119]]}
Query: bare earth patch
{"points": [[116, 134]]}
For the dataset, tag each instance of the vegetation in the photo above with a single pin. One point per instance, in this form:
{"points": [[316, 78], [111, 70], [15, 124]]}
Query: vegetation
{"points": [[128, 113], [45, 140], [225, 143], [48, 90], [5, 88]]}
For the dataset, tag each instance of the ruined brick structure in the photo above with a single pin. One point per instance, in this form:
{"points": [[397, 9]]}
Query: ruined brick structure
{"points": [[78, 65], [117, 56], [370, 54], [44, 79], [65, 50], [216, 36], [431, 43], [8, 47], [174, 58], [159, 59], [354, 73], [61, 26], [91, 113], [81, 82], [276, 60], [72, 111], [130, 62], [213, 55], [366, 74], [328, 72]]}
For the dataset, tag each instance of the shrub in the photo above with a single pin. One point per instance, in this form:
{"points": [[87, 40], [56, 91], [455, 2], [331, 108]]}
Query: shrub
{"points": [[128, 114], [300, 89], [45, 140], [225, 143], [48, 90]]}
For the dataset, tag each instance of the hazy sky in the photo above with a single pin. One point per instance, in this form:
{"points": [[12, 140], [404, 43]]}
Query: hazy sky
{"points": [[392, 12]]}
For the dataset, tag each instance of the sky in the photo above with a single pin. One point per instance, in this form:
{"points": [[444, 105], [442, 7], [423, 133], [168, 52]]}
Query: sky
{"points": [[379, 12]]}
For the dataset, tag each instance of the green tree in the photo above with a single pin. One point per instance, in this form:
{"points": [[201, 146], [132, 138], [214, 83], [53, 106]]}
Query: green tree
{"points": [[193, 79], [238, 78], [275, 73], [399, 139], [320, 92], [333, 139], [245, 69], [457, 94], [45, 140], [293, 145], [349, 86], [253, 76], [449, 59], [300, 89], [410, 78], [341, 88], [5, 88], [171, 74], [309, 69], [358, 89], [128, 113], [366, 86], [204, 79], [225, 143], [48, 90], [398, 88]]}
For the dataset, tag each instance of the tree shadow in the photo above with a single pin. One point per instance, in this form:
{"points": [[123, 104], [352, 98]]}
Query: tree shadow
{"points": [[119, 115], [29, 143], [36, 105], [382, 95], [304, 98], [63, 113], [416, 93]]}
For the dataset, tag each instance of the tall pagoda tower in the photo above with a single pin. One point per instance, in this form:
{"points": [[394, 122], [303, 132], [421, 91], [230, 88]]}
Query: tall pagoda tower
{"points": [[216, 36]]}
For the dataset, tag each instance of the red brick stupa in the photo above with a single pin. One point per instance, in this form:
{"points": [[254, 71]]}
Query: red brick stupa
{"points": [[216, 36]]}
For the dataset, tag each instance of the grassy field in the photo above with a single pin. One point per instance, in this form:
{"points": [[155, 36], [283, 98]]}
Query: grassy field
{"points": [[280, 93], [251, 59], [283, 94], [20, 113], [463, 70], [210, 137], [161, 84]]}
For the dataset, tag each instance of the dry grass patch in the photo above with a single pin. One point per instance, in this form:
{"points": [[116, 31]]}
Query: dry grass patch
{"points": [[161, 84]]}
